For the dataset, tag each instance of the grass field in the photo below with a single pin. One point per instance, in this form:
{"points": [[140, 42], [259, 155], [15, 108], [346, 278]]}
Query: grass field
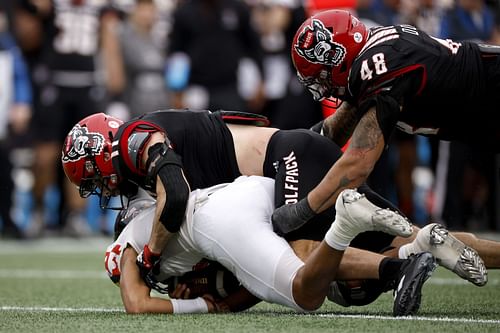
{"points": [[59, 285]]}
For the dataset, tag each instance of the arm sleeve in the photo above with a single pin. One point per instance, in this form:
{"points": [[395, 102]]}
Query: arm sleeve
{"points": [[166, 164]]}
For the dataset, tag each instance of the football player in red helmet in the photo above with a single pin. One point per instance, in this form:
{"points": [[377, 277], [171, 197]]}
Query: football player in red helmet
{"points": [[389, 78], [324, 49], [86, 156]]}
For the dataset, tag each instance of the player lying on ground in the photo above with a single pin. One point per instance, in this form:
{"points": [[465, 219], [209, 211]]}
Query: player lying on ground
{"points": [[231, 224], [217, 282], [297, 159]]}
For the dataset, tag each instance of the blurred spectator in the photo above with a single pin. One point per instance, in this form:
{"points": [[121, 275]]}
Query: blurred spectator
{"points": [[382, 12], [68, 89], [424, 14], [15, 114], [143, 60], [207, 45], [466, 175], [288, 104], [469, 20]]}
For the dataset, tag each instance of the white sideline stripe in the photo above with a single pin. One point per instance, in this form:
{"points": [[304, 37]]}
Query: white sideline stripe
{"points": [[411, 318], [331, 315], [49, 309]]}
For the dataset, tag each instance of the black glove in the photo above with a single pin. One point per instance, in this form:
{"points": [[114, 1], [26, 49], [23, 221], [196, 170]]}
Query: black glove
{"points": [[149, 265], [288, 218]]}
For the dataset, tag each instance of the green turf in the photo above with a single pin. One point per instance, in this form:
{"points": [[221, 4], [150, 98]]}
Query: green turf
{"points": [[49, 291]]}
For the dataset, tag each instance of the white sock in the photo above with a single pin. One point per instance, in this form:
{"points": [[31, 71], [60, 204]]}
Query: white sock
{"points": [[421, 243], [338, 236], [406, 250]]}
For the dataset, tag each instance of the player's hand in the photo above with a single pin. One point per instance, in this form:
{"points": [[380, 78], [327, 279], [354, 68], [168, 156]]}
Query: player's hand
{"points": [[149, 265], [181, 291], [211, 303], [290, 217]]}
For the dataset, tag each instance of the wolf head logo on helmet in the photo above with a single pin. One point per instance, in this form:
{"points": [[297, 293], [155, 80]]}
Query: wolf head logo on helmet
{"points": [[81, 142], [315, 43]]}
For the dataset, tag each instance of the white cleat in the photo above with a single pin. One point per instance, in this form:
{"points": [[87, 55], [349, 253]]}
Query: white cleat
{"points": [[369, 217], [452, 253]]}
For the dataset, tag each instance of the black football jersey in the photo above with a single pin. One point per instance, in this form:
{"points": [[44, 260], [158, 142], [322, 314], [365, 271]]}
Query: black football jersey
{"points": [[201, 138], [72, 35], [445, 88]]}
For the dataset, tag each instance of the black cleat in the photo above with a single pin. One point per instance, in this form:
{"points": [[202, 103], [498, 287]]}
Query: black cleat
{"points": [[408, 292]]}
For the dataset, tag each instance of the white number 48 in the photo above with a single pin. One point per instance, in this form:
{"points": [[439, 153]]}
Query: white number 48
{"points": [[378, 66]]}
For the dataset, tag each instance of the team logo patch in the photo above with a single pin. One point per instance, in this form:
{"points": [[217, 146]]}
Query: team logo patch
{"points": [[315, 44], [80, 142]]}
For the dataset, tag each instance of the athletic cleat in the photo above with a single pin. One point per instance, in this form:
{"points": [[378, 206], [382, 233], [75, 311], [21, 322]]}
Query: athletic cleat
{"points": [[452, 254], [408, 293], [360, 209]]}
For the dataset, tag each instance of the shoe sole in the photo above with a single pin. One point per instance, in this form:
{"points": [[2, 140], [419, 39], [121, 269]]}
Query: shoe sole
{"points": [[383, 219], [407, 301], [469, 265]]}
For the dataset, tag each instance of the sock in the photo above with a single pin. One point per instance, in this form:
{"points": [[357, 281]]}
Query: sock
{"points": [[338, 237], [388, 271], [419, 244], [406, 250]]}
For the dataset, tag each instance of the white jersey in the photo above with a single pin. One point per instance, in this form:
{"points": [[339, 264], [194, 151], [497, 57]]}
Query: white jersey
{"points": [[230, 224], [178, 257]]}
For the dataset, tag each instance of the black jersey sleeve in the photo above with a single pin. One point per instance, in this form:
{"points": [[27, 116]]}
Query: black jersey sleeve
{"points": [[389, 98]]}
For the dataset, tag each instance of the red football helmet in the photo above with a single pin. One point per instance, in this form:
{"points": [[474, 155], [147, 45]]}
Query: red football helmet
{"points": [[324, 49], [86, 156]]}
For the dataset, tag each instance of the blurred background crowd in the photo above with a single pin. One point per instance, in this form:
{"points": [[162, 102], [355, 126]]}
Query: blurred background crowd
{"points": [[61, 60]]}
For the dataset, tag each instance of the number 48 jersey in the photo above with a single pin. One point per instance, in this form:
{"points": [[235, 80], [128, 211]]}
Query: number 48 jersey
{"points": [[437, 83]]}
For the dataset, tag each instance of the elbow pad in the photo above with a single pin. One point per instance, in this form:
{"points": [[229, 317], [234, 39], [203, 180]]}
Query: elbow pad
{"points": [[167, 165]]}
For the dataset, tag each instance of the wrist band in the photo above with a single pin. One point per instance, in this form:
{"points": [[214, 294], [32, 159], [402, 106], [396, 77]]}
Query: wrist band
{"points": [[197, 305]]}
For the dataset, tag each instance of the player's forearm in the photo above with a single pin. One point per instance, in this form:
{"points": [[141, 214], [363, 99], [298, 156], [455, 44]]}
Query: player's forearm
{"points": [[353, 167], [339, 126], [159, 234], [338, 178]]}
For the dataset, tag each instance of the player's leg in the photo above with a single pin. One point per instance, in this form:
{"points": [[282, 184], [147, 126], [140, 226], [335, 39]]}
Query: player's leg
{"points": [[355, 214], [80, 103], [234, 228], [451, 252], [240, 237], [47, 121], [489, 250]]}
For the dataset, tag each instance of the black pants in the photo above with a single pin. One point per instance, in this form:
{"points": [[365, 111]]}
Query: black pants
{"points": [[298, 160]]}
